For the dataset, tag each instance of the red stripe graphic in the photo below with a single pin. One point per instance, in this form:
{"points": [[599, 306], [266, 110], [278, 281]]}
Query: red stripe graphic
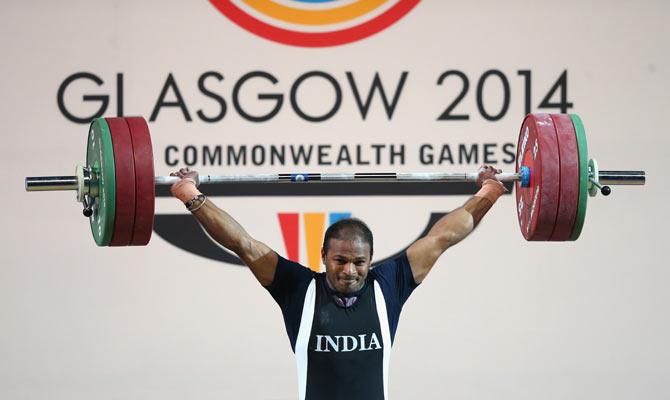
{"points": [[290, 230]]}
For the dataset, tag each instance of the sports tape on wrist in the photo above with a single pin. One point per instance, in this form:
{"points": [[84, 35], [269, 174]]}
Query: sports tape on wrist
{"points": [[184, 190], [491, 190]]}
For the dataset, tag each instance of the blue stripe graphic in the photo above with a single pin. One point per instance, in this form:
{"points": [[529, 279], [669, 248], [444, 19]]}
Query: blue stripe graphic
{"points": [[334, 217]]}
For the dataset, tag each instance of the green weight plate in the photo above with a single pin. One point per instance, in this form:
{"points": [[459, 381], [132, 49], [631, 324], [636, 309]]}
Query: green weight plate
{"points": [[100, 158], [583, 176]]}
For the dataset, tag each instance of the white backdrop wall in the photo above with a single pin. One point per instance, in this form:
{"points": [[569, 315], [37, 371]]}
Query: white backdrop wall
{"points": [[498, 318]]}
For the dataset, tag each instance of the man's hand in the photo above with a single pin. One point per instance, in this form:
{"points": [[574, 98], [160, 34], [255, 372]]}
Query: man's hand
{"points": [[487, 172], [186, 188], [186, 173]]}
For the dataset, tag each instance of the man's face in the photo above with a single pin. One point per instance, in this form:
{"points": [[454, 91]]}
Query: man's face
{"points": [[347, 263]]}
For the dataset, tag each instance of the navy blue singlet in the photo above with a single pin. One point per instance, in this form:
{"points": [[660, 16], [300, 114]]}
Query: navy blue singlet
{"points": [[342, 353]]}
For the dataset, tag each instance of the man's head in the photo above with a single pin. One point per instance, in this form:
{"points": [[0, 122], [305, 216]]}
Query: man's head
{"points": [[347, 254]]}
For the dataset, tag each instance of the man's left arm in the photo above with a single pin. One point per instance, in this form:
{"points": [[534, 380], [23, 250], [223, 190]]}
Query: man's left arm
{"points": [[455, 226]]}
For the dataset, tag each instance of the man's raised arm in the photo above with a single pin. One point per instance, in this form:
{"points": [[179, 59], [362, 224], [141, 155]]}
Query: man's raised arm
{"points": [[455, 226], [261, 259]]}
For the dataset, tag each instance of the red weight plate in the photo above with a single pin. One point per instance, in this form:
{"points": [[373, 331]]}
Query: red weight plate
{"points": [[144, 181], [125, 182], [568, 199], [537, 204]]}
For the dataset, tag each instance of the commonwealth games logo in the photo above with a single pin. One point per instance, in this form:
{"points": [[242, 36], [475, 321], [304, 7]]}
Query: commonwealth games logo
{"points": [[314, 23], [314, 227]]}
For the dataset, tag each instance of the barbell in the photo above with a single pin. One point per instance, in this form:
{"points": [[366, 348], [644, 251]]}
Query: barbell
{"points": [[553, 178]]}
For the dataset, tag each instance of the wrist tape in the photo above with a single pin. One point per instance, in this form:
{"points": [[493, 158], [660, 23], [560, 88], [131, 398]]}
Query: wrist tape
{"points": [[491, 190], [185, 190]]}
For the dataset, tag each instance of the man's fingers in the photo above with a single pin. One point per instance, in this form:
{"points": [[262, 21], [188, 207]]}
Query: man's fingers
{"points": [[183, 172]]}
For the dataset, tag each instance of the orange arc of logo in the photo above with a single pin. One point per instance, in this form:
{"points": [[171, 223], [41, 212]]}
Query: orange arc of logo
{"points": [[314, 17], [314, 39]]}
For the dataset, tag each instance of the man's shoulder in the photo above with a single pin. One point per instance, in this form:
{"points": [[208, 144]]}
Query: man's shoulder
{"points": [[294, 266], [389, 264], [290, 278]]}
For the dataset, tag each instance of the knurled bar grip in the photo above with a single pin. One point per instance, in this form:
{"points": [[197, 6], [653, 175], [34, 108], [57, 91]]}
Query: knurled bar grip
{"points": [[339, 177]]}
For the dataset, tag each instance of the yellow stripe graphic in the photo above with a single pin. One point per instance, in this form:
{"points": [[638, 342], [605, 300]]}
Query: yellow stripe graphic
{"points": [[314, 228]]}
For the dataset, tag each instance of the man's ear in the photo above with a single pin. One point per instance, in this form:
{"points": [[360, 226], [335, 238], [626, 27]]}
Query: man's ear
{"points": [[323, 256]]}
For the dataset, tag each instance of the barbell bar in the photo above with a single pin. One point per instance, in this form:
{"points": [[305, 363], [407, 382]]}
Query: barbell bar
{"points": [[52, 183], [553, 178], [72, 183]]}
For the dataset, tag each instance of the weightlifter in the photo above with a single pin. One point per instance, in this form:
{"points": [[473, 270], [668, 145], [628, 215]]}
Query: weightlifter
{"points": [[341, 323]]}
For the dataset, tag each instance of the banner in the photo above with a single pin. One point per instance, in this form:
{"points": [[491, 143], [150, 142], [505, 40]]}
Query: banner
{"points": [[297, 86]]}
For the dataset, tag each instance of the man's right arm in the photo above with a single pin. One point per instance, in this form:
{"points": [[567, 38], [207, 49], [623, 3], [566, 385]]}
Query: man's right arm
{"points": [[455, 226], [223, 228]]}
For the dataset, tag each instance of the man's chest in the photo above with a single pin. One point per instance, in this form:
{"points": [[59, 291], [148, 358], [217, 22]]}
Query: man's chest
{"points": [[337, 329]]}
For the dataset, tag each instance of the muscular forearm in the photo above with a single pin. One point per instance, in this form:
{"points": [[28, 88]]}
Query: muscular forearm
{"points": [[455, 226], [224, 229], [229, 233], [477, 207], [459, 223], [452, 228], [218, 223], [479, 204], [221, 226], [446, 232]]}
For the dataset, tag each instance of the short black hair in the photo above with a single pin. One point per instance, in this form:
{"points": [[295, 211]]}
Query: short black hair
{"points": [[348, 228]]}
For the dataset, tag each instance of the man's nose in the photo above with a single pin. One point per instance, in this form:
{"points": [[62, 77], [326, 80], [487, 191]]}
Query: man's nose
{"points": [[350, 268]]}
